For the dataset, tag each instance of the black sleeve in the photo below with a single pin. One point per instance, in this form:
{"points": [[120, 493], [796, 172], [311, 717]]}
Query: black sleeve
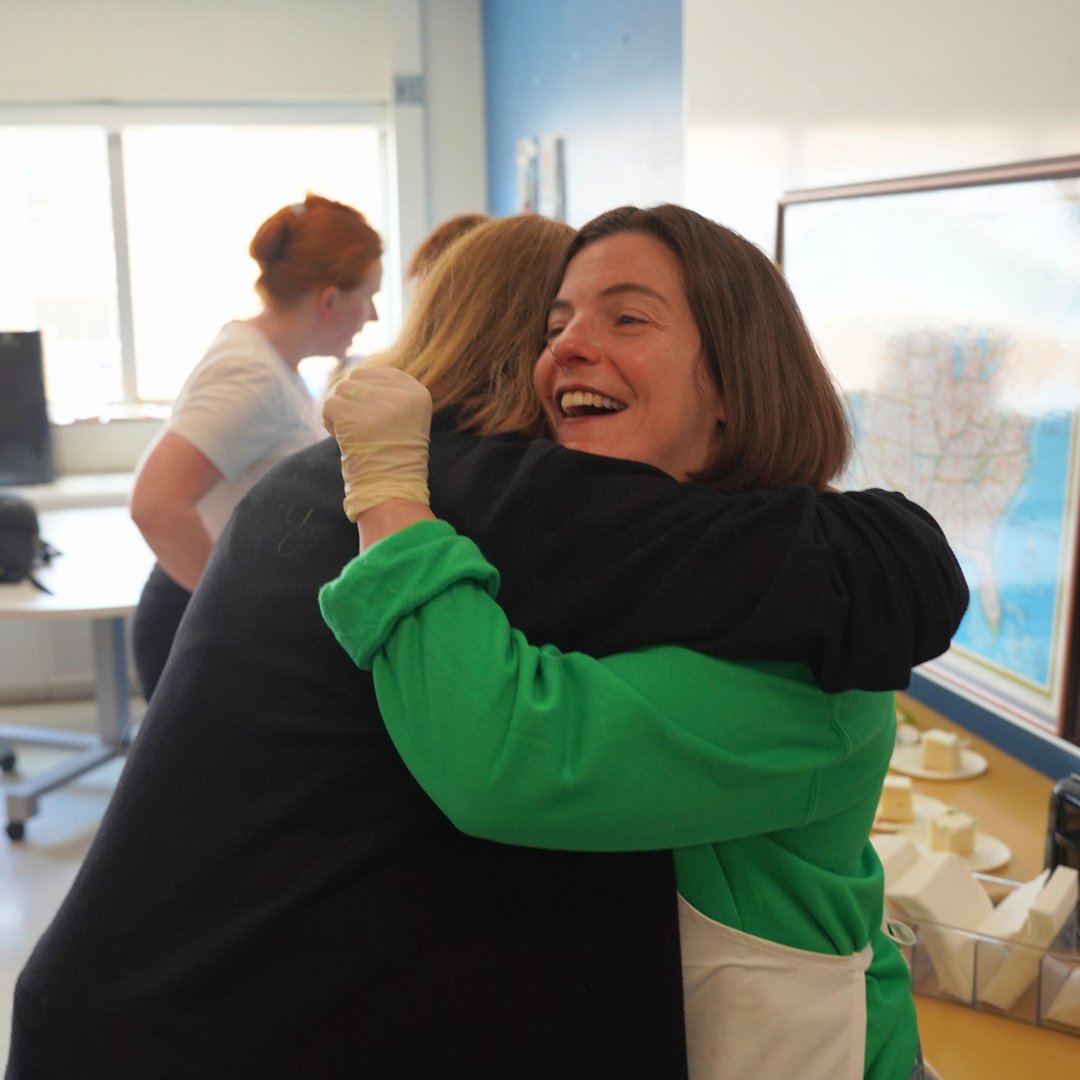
{"points": [[606, 555]]}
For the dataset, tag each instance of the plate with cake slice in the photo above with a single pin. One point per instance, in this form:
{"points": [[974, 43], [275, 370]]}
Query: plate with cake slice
{"points": [[938, 755], [953, 831], [910, 760]]}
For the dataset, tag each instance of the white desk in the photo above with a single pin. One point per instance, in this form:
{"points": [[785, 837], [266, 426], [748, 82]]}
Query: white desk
{"points": [[98, 577]]}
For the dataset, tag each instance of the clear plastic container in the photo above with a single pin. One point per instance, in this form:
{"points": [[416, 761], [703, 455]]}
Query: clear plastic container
{"points": [[1037, 986]]}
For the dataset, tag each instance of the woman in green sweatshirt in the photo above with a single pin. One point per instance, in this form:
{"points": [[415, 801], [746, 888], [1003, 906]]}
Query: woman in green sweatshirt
{"points": [[764, 785]]}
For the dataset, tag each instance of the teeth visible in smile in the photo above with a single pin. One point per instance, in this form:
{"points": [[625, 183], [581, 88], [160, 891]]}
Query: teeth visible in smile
{"points": [[577, 402]]}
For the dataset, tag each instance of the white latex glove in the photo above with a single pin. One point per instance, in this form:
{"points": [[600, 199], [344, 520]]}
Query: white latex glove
{"points": [[381, 418]]}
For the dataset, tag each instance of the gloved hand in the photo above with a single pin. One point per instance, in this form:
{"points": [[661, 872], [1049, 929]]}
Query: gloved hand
{"points": [[381, 418]]}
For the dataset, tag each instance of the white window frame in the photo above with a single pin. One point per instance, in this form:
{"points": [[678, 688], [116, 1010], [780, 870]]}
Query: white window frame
{"points": [[114, 117]]}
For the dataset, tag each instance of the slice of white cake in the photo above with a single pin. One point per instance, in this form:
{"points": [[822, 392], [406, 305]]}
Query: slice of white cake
{"points": [[941, 750], [951, 830], [896, 799]]}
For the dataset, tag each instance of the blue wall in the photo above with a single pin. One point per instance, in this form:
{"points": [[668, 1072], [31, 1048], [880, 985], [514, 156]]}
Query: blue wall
{"points": [[604, 74]]}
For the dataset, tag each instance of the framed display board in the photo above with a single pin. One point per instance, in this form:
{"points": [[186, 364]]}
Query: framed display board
{"points": [[948, 309], [25, 438]]}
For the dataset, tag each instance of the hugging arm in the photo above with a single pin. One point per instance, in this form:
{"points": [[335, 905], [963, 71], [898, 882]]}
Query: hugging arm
{"points": [[659, 748], [861, 586]]}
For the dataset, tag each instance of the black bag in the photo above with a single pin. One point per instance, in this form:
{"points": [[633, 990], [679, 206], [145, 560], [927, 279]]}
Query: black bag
{"points": [[21, 548]]}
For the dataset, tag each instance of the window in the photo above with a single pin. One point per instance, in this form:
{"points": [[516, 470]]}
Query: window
{"points": [[125, 241], [58, 270]]}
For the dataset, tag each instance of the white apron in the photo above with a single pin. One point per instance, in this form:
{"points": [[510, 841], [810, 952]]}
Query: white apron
{"points": [[757, 1010]]}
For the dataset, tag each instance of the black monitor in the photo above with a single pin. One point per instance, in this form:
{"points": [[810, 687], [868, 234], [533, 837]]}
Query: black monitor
{"points": [[25, 439]]}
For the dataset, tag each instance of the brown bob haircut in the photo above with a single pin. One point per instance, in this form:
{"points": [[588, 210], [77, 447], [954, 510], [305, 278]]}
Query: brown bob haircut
{"points": [[476, 324], [784, 419], [309, 246]]}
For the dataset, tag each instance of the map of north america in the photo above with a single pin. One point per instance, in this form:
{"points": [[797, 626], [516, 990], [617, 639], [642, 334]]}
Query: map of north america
{"points": [[939, 426]]}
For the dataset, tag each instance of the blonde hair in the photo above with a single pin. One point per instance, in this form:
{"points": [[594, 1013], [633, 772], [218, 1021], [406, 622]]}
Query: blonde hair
{"points": [[476, 325], [308, 245]]}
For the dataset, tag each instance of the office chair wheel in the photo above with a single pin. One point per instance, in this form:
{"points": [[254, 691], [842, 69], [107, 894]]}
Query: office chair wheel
{"points": [[16, 830], [7, 760]]}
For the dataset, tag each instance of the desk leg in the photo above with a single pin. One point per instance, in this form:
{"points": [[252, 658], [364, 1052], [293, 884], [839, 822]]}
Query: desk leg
{"points": [[112, 681], [110, 661]]}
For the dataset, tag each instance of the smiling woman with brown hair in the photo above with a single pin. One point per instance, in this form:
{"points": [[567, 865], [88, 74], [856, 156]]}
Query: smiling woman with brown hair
{"points": [[782, 419]]}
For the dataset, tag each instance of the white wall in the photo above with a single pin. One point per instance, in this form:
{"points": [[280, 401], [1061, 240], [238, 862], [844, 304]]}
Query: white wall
{"points": [[781, 96], [453, 50], [194, 50]]}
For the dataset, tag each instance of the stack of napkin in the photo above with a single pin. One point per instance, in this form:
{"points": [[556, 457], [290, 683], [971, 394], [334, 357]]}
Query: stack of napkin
{"points": [[937, 891]]}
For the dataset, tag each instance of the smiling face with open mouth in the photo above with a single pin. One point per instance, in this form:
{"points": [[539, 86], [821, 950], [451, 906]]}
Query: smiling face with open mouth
{"points": [[622, 375]]}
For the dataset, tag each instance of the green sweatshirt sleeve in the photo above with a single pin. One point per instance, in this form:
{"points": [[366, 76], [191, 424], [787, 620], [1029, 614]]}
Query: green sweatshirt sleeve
{"points": [[658, 748]]}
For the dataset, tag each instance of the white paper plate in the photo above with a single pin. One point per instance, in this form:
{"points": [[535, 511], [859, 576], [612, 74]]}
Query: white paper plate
{"points": [[908, 760], [989, 853], [924, 808]]}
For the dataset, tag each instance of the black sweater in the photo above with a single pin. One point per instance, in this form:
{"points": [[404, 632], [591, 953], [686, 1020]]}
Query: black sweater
{"points": [[270, 894]]}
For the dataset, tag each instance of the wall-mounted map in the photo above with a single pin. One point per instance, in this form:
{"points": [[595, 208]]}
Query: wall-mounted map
{"points": [[948, 309]]}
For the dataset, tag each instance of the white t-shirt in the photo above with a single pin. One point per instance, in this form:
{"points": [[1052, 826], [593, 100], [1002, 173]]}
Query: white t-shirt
{"points": [[245, 409]]}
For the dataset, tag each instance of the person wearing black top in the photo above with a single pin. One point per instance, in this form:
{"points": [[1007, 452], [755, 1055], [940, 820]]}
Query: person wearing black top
{"points": [[270, 892]]}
